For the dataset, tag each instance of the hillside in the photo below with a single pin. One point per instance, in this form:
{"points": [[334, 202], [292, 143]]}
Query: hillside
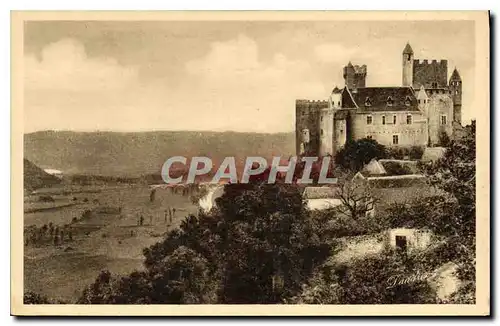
{"points": [[139, 153], [34, 177]]}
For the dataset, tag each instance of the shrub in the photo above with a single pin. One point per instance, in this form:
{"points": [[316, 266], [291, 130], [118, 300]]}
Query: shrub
{"points": [[416, 152], [355, 154]]}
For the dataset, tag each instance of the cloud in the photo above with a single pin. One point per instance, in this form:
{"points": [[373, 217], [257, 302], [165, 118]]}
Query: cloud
{"points": [[334, 52], [230, 87], [247, 92], [64, 65]]}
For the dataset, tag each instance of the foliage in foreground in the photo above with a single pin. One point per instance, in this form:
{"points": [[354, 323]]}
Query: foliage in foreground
{"points": [[259, 246]]}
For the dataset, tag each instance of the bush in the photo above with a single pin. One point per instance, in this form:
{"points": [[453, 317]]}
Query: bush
{"points": [[444, 139], [355, 154], [416, 152]]}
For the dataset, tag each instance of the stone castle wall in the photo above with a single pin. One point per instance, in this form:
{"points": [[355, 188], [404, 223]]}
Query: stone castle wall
{"points": [[433, 74]]}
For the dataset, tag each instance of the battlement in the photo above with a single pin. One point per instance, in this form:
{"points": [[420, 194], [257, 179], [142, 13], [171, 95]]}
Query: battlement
{"points": [[422, 62], [430, 73], [310, 106], [311, 102]]}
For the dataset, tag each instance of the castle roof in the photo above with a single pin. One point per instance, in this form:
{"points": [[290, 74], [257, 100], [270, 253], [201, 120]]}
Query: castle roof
{"points": [[408, 49], [455, 76], [377, 99]]}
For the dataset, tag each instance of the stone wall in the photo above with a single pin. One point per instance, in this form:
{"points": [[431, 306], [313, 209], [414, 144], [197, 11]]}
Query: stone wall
{"points": [[414, 134]]}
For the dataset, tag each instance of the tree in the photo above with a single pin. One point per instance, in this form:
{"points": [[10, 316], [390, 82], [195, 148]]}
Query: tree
{"points": [[444, 139], [455, 175], [181, 277], [258, 246], [267, 242], [356, 153], [385, 278], [356, 196]]}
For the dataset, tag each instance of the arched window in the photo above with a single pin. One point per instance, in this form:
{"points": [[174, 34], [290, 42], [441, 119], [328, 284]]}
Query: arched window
{"points": [[368, 102], [407, 101]]}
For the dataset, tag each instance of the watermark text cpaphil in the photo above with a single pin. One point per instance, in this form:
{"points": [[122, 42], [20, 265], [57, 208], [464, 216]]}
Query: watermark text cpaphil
{"points": [[254, 166]]}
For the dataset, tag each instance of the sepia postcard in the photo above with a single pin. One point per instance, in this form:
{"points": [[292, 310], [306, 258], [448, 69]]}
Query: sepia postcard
{"points": [[250, 163]]}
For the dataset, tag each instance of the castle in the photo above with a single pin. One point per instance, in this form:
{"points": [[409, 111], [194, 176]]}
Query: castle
{"points": [[414, 114]]}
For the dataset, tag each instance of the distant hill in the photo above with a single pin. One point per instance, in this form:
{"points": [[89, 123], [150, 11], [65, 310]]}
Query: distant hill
{"points": [[140, 153], [35, 177]]}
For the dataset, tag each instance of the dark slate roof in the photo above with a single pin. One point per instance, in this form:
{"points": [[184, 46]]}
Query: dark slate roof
{"points": [[379, 96], [408, 49], [347, 99], [455, 75]]}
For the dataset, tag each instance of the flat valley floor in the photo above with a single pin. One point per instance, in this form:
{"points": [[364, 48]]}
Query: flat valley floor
{"points": [[103, 237]]}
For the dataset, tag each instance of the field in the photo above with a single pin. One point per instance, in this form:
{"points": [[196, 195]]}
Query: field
{"points": [[100, 228]]}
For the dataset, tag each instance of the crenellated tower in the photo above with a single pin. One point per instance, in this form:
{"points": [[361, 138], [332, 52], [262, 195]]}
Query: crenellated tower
{"points": [[355, 76]]}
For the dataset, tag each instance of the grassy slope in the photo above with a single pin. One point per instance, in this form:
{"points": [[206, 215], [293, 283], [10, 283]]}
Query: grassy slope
{"points": [[35, 177]]}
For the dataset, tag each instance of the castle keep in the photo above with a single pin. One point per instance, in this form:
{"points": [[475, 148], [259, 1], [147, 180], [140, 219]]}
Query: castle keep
{"points": [[414, 114]]}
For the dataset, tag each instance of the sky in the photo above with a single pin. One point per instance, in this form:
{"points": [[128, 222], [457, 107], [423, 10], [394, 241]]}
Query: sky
{"points": [[210, 75]]}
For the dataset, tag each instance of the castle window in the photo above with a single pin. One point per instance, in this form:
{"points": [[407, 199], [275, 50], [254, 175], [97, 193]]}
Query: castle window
{"points": [[434, 85], [368, 102], [395, 139], [443, 119], [338, 103], [394, 119], [383, 119], [390, 102], [321, 132], [369, 120], [321, 118], [369, 137], [407, 101], [408, 119], [456, 92]]}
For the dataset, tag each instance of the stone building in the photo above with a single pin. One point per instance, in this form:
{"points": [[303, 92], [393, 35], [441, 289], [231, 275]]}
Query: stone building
{"points": [[413, 114]]}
